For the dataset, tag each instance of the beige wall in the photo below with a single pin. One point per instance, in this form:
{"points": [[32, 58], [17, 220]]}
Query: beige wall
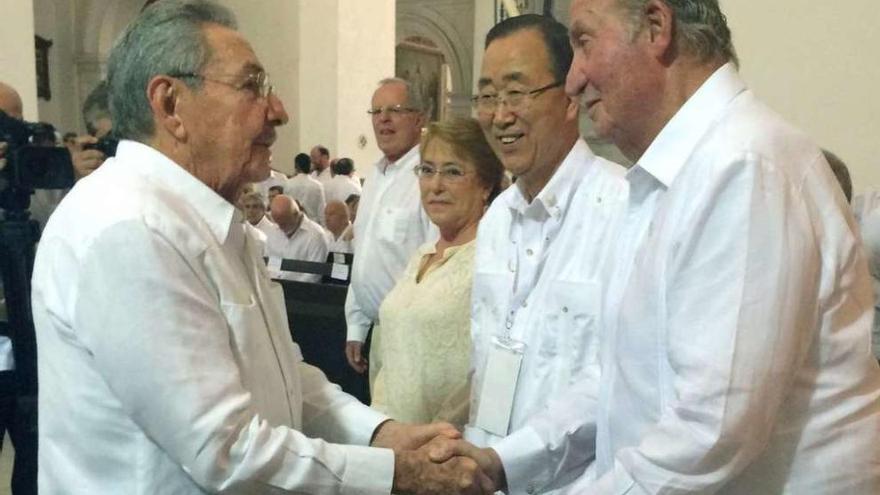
{"points": [[17, 64], [818, 64]]}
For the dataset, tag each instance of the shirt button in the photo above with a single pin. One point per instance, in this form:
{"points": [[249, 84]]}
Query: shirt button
{"points": [[529, 252], [565, 309]]}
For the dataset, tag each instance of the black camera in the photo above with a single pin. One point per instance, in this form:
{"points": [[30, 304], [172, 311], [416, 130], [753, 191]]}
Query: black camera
{"points": [[106, 145], [30, 166]]}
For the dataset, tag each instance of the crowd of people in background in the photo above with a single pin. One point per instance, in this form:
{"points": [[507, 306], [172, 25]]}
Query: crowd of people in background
{"points": [[541, 320]]}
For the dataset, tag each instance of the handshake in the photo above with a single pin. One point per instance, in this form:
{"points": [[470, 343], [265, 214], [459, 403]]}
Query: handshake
{"points": [[434, 459]]}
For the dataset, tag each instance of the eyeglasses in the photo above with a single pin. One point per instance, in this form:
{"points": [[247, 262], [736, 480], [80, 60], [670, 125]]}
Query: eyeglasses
{"points": [[515, 100], [255, 82], [448, 173], [392, 110]]}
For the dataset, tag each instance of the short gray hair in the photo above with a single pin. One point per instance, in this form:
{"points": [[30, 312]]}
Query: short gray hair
{"points": [[166, 38], [414, 99], [700, 27]]}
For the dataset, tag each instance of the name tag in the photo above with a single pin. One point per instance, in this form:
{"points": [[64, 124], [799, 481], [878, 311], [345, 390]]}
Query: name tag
{"points": [[499, 386]]}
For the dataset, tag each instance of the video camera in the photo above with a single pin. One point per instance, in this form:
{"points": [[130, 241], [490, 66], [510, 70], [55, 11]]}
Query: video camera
{"points": [[30, 166]]}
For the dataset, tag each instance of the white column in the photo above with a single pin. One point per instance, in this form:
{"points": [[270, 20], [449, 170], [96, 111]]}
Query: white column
{"points": [[17, 59], [364, 56], [325, 58]]}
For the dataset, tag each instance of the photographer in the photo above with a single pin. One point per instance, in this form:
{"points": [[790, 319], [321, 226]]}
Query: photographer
{"points": [[18, 381], [96, 114]]}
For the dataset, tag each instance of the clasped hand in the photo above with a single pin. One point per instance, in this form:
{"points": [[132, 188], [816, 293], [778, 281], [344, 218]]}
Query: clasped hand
{"points": [[433, 459]]}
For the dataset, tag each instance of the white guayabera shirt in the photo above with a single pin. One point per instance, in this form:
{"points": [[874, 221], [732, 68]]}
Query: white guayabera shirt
{"points": [[537, 280], [390, 226], [736, 358], [165, 360]]}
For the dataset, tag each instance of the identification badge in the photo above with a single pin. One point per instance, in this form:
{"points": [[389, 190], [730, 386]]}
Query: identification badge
{"points": [[499, 385]]}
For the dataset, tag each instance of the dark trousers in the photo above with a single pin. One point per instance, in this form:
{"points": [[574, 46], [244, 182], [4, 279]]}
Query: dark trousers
{"points": [[18, 418]]}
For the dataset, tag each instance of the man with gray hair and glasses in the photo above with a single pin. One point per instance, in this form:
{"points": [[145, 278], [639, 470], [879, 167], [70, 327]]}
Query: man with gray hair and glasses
{"points": [[391, 223], [165, 357], [735, 351]]}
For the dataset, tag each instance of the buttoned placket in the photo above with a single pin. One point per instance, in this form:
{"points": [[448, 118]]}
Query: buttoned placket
{"points": [[532, 232]]}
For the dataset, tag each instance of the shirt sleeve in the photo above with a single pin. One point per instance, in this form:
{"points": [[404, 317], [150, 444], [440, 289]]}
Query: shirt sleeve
{"points": [[357, 322], [152, 322], [742, 292], [556, 445]]}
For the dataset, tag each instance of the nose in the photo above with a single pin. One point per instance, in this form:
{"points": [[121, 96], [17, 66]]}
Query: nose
{"points": [[502, 115], [277, 115], [576, 80]]}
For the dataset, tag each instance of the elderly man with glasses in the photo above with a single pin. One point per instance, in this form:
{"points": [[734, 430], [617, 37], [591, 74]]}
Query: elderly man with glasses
{"points": [[540, 250], [165, 359], [391, 223]]}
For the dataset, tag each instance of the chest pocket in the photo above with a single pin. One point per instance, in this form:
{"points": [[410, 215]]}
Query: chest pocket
{"points": [[393, 223], [571, 320]]}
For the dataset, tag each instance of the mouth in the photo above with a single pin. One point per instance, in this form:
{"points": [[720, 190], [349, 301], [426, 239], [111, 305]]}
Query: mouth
{"points": [[509, 139], [386, 132], [266, 139]]}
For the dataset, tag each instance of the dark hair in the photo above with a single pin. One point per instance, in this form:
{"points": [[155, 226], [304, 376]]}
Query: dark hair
{"points": [[323, 150], [280, 189], [840, 172], [352, 199], [555, 36], [468, 141], [343, 166], [303, 163], [96, 106]]}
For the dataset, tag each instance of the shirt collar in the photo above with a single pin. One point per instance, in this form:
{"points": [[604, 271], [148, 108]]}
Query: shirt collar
{"points": [[554, 197], [218, 213], [669, 151], [408, 160]]}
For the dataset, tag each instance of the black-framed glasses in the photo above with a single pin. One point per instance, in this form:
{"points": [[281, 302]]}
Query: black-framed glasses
{"points": [[514, 99], [255, 82], [448, 173], [391, 110]]}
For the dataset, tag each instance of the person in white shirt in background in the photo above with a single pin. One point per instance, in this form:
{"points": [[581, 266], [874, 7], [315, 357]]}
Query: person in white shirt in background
{"points": [[305, 189], [342, 185], [275, 179], [391, 223], [338, 224], [541, 249], [166, 362], [736, 341], [319, 156], [295, 237], [254, 209]]}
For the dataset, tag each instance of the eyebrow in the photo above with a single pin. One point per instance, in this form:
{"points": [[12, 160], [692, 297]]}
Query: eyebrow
{"points": [[509, 77]]}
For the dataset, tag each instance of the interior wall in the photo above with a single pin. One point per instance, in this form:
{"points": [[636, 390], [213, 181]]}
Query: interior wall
{"points": [[52, 21], [365, 55], [817, 64], [267, 26], [17, 58]]}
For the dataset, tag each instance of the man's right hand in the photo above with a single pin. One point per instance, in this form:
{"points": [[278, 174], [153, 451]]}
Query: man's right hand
{"points": [[85, 161], [356, 360], [416, 474]]}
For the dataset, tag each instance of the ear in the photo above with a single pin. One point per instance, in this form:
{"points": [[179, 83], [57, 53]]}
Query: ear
{"points": [[163, 93], [659, 28]]}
